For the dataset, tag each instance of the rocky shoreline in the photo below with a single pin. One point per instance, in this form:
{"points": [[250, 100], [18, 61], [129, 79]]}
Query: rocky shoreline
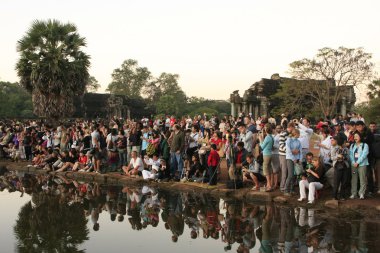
{"points": [[368, 209]]}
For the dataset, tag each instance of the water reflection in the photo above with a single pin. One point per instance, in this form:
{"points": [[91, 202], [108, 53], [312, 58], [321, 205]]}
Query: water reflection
{"points": [[56, 218]]}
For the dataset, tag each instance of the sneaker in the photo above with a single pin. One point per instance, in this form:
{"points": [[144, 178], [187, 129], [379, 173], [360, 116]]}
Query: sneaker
{"points": [[352, 197], [361, 196], [310, 202], [301, 199]]}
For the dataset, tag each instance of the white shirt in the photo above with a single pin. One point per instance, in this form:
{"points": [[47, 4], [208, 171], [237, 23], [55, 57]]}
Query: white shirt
{"points": [[305, 135], [194, 143], [137, 162], [326, 153]]}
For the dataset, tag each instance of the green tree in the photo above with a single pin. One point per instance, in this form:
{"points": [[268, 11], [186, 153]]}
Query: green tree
{"points": [[290, 98], [326, 75], [50, 226], [166, 95], [129, 79], [53, 67], [370, 109], [92, 84], [15, 101]]}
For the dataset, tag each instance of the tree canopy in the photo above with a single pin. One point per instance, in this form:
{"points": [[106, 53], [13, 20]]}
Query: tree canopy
{"points": [[129, 79], [328, 71], [53, 67], [15, 101]]}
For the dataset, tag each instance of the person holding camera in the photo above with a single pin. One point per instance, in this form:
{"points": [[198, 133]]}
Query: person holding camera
{"points": [[312, 181], [293, 156], [266, 144], [340, 163]]}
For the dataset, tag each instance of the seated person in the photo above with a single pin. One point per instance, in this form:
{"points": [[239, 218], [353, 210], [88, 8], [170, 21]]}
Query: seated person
{"points": [[312, 181], [49, 160], [234, 172], [12, 152], [153, 167], [89, 164], [81, 163], [252, 173], [135, 167], [69, 160], [196, 171], [163, 172]]}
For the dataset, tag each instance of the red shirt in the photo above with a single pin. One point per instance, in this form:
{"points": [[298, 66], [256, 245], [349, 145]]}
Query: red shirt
{"points": [[82, 159], [213, 158]]}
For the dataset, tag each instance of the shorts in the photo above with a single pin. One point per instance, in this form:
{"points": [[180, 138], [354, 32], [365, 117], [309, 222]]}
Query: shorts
{"points": [[267, 169], [259, 177]]}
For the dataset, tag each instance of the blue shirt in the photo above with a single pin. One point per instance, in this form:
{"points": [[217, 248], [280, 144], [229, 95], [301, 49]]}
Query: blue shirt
{"points": [[267, 145], [293, 144], [359, 154], [144, 144]]}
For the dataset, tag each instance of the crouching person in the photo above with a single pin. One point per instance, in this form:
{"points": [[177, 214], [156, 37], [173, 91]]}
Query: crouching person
{"points": [[312, 181], [253, 174], [153, 167]]}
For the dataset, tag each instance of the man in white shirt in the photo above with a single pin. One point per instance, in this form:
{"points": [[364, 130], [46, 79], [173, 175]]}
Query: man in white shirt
{"points": [[305, 134], [135, 166], [246, 137]]}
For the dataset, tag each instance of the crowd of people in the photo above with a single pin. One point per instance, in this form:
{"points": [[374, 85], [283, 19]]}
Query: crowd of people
{"points": [[266, 153], [246, 227]]}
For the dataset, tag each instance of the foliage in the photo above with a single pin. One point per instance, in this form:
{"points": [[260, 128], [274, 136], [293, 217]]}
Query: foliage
{"points": [[52, 67], [92, 84], [14, 101], [291, 99], [50, 226], [332, 68], [129, 79], [374, 89], [370, 110], [166, 95]]}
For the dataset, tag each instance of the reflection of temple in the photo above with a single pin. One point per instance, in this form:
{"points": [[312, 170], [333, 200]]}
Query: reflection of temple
{"points": [[93, 105], [256, 100]]}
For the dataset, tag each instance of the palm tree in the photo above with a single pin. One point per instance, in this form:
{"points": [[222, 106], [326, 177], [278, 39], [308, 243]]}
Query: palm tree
{"points": [[52, 67]]}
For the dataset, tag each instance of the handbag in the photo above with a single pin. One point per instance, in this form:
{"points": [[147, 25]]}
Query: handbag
{"points": [[298, 169]]}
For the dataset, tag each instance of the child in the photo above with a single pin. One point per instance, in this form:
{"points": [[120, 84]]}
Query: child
{"points": [[213, 162]]}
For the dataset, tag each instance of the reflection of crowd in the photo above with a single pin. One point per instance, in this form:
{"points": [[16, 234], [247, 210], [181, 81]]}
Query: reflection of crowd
{"points": [[246, 227]]}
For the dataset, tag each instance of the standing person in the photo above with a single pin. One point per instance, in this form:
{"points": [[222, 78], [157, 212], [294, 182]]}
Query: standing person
{"points": [[376, 154], [368, 138], [305, 134], [282, 153], [212, 163], [293, 156], [246, 137], [95, 143], [325, 148], [122, 147], [266, 144], [176, 149], [359, 162], [276, 157], [341, 164]]}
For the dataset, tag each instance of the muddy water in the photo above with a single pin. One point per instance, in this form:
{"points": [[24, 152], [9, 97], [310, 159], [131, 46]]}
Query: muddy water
{"points": [[53, 214]]}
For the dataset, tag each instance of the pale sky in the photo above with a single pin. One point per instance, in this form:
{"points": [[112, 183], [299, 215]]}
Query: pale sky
{"points": [[215, 46]]}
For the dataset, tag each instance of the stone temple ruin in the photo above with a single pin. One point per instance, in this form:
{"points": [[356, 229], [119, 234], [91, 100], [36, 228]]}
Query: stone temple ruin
{"points": [[256, 99]]}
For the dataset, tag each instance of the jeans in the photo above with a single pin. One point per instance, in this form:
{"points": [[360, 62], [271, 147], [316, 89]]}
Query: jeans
{"points": [[176, 163], [284, 170], [361, 173], [289, 184], [122, 157]]}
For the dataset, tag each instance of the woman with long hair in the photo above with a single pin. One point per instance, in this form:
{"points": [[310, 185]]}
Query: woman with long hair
{"points": [[312, 181]]}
